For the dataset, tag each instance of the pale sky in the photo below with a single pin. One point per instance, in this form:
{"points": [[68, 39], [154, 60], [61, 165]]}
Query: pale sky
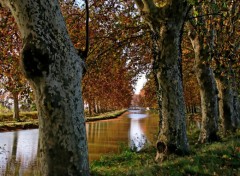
{"points": [[140, 84]]}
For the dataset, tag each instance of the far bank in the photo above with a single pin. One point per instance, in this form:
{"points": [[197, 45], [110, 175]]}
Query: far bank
{"points": [[29, 120]]}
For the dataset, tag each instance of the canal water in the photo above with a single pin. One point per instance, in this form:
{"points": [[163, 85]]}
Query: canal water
{"points": [[134, 128]]}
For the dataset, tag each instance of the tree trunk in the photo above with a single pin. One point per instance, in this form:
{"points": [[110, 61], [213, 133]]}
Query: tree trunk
{"points": [[228, 114], [94, 107], [166, 26], [15, 107], [208, 91], [159, 99], [166, 67], [209, 103], [90, 108], [50, 62]]}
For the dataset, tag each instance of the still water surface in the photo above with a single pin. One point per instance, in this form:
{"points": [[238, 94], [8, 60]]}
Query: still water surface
{"points": [[133, 128]]}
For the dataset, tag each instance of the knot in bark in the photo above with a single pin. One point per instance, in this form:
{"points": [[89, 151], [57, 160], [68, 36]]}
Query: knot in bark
{"points": [[35, 58]]}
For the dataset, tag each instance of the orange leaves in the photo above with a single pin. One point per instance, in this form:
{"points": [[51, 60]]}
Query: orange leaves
{"points": [[11, 77], [115, 39], [147, 96]]}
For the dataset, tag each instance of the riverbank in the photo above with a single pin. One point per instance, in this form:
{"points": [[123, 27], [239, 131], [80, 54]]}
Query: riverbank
{"points": [[218, 158], [29, 120]]}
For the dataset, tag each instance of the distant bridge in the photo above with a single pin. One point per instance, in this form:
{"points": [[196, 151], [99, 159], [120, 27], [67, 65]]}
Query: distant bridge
{"points": [[136, 108]]}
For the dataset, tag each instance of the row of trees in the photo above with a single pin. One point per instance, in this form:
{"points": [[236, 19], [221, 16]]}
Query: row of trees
{"points": [[211, 27], [10, 75], [116, 44], [117, 53], [52, 65]]}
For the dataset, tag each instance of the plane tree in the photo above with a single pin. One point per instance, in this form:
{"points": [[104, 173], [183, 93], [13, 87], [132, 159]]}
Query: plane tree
{"points": [[165, 20], [54, 69], [116, 42]]}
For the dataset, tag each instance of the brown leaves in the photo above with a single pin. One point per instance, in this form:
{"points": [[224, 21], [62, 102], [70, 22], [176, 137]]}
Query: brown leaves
{"points": [[117, 49], [11, 77]]}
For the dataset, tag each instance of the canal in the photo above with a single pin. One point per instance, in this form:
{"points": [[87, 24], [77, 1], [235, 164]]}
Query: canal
{"points": [[134, 128]]}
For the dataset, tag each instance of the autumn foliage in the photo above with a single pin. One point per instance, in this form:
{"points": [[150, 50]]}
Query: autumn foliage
{"points": [[118, 51]]}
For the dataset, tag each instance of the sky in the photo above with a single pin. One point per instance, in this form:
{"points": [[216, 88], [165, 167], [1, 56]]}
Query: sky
{"points": [[140, 83]]}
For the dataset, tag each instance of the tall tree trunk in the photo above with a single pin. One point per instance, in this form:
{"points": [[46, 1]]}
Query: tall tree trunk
{"points": [[227, 103], [94, 107], [15, 107], [208, 91], [166, 25], [51, 64], [90, 108], [166, 67]]}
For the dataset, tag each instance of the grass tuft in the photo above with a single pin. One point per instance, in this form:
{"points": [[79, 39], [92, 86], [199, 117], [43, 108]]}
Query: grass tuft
{"points": [[218, 158]]}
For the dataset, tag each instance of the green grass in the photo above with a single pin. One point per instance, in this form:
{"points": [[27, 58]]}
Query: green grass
{"points": [[13, 125], [3, 109], [29, 120], [24, 116], [218, 158], [108, 115]]}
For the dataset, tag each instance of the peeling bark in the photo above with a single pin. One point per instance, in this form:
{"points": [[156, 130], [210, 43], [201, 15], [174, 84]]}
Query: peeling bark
{"points": [[54, 69], [228, 103], [208, 91], [166, 26]]}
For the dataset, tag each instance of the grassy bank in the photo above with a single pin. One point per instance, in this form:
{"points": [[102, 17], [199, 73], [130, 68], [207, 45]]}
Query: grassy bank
{"points": [[29, 120], [108, 115], [219, 158], [24, 116]]}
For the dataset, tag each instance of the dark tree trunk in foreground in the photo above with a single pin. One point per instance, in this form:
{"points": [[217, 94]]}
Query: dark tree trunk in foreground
{"points": [[51, 64], [15, 107], [208, 90], [166, 26]]}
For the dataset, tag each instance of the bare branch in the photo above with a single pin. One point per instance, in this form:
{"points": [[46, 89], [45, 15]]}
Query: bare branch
{"points": [[87, 30], [84, 53]]}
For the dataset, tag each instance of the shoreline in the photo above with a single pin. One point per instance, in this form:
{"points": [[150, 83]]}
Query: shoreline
{"points": [[8, 126]]}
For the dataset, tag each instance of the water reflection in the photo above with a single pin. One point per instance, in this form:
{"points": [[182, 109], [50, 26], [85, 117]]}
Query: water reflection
{"points": [[137, 137], [19, 146], [106, 136], [132, 128]]}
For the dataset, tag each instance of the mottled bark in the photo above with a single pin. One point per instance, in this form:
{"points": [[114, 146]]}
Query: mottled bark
{"points": [[159, 100], [228, 110], [208, 90], [50, 62], [166, 25], [15, 107]]}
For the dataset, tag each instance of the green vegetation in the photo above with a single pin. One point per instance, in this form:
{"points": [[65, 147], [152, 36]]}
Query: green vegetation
{"points": [[108, 115], [13, 125], [29, 120], [24, 116], [218, 158], [3, 109]]}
